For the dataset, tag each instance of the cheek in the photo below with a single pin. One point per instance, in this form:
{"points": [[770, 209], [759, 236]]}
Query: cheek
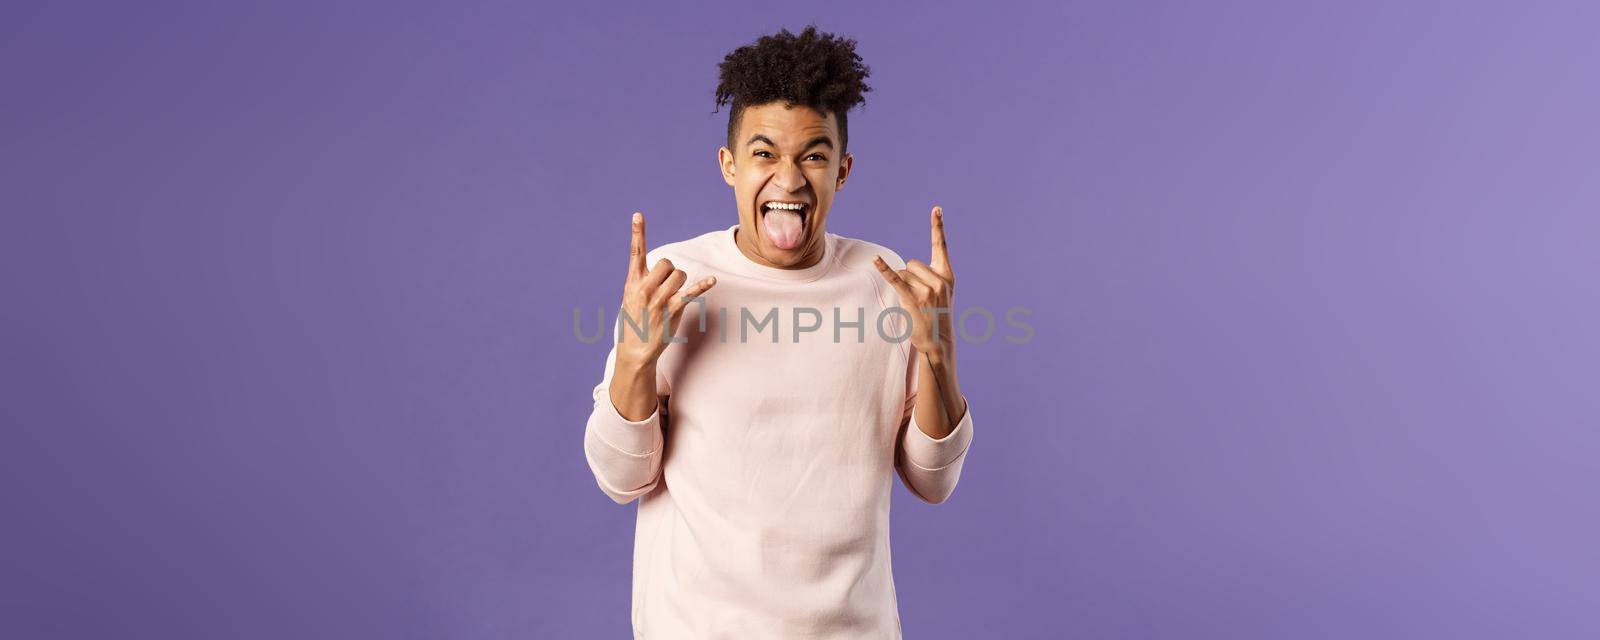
{"points": [[824, 189], [751, 180], [827, 178]]}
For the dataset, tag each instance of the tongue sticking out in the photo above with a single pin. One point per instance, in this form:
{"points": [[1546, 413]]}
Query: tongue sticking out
{"points": [[783, 228]]}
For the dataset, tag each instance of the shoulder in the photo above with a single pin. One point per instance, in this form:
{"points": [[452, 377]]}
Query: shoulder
{"points": [[692, 251], [855, 253]]}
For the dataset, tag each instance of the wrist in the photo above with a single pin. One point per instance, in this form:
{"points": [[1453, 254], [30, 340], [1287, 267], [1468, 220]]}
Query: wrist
{"points": [[633, 390], [941, 356], [634, 368]]}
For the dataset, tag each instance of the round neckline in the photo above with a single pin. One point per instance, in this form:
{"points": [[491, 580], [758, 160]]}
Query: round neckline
{"points": [[740, 263]]}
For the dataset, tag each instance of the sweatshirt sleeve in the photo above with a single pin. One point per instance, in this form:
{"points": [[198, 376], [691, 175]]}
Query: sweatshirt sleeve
{"points": [[625, 456], [930, 467]]}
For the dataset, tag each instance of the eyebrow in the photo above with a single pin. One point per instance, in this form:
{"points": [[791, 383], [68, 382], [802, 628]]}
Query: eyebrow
{"points": [[822, 140]]}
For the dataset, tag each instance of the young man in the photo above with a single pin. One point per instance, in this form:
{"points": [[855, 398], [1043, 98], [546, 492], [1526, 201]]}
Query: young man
{"points": [[763, 463]]}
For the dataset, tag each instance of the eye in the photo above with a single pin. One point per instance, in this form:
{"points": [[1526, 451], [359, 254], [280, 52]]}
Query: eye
{"points": [[763, 154], [819, 157]]}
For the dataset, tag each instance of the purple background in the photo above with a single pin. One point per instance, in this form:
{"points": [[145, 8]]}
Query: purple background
{"points": [[288, 290]]}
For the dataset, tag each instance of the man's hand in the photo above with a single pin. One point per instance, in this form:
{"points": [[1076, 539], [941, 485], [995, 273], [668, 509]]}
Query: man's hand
{"points": [[653, 301], [926, 291]]}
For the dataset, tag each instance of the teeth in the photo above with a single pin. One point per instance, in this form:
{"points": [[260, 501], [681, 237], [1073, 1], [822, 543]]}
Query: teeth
{"points": [[783, 205]]}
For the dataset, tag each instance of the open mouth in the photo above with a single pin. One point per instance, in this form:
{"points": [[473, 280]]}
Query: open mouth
{"points": [[784, 223], [798, 207]]}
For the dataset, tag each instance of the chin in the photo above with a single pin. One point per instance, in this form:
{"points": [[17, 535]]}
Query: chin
{"points": [[788, 258]]}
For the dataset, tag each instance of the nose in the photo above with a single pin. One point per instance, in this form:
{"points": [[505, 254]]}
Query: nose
{"points": [[788, 176]]}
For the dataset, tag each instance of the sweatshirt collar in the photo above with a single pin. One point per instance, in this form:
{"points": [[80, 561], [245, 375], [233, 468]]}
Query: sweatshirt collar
{"points": [[742, 264]]}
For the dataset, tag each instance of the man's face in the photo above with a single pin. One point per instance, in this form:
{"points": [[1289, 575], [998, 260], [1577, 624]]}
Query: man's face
{"points": [[784, 156]]}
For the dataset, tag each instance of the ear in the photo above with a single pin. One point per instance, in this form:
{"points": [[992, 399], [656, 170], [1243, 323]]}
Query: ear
{"points": [[844, 171], [725, 163]]}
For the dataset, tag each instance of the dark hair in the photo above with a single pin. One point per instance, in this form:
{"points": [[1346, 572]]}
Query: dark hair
{"points": [[816, 70]]}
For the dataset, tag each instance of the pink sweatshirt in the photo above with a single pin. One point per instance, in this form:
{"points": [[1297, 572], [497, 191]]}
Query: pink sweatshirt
{"points": [[764, 481]]}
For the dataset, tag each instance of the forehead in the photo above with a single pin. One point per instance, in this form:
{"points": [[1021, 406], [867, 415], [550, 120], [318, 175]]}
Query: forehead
{"points": [[786, 124]]}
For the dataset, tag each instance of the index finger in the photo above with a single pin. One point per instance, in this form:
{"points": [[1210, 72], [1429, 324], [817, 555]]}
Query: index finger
{"points": [[941, 252], [636, 248]]}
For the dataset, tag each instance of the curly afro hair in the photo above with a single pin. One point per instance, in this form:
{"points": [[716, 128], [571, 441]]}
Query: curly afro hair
{"points": [[816, 70]]}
